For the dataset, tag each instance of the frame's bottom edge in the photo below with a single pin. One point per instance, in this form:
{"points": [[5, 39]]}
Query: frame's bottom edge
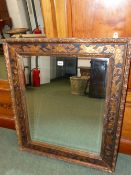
{"points": [[68, 160]]}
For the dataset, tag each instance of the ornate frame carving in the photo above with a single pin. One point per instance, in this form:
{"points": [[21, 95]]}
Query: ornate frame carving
{"points": [[117, 50]]}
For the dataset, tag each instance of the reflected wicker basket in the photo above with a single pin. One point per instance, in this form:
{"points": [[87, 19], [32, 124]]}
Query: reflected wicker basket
{"points": [[79, 85]]}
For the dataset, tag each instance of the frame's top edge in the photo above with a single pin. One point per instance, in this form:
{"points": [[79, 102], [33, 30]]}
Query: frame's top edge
{"points": [[67, 40]]}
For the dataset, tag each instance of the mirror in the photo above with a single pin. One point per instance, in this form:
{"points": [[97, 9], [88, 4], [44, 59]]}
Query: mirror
{"points": [[68, 97], [67, 107]]}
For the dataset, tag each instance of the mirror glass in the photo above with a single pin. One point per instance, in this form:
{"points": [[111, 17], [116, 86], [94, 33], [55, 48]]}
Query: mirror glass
{"points": [[65, 99]]}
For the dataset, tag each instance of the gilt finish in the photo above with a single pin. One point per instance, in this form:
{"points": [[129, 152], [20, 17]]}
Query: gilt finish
{"points": [[117, 50]]}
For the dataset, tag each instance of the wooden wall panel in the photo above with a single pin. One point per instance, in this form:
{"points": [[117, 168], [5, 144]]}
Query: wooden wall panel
{"points": [[126, 129], [69, 17], [61, 18], [129, 82], [56, 18], [4, 13], [5, 104], [125, 142], [49, 16], [93, 18], [6, 111], [86, 18]]}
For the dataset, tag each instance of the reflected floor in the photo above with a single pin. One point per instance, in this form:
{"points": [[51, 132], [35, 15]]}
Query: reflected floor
{"points": [[58, 117]]}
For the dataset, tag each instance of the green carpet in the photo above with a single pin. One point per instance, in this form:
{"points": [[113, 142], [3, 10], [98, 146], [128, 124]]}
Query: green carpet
{"points": [[3, 71], [15, 162], [58, 117]]}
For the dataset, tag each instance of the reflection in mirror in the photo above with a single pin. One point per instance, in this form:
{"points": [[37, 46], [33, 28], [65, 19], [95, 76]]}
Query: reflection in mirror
{"points": [[66, 105]]}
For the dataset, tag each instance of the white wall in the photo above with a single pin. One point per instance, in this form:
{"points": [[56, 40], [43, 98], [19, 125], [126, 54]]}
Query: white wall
{"points": [[17, 13], [38, 14], [44, 66], [84, 63], [25, 62]]}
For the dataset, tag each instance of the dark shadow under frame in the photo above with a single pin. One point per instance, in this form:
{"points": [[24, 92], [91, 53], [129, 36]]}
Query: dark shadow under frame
{"points": [[118, 52]]}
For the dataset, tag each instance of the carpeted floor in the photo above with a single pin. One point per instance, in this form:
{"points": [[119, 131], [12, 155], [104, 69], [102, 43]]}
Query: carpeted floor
{"points": [[15, 162], [58, 117]]}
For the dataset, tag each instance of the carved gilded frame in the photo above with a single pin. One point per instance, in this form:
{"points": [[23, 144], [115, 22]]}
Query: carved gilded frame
{"points": [[118, 52]]}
